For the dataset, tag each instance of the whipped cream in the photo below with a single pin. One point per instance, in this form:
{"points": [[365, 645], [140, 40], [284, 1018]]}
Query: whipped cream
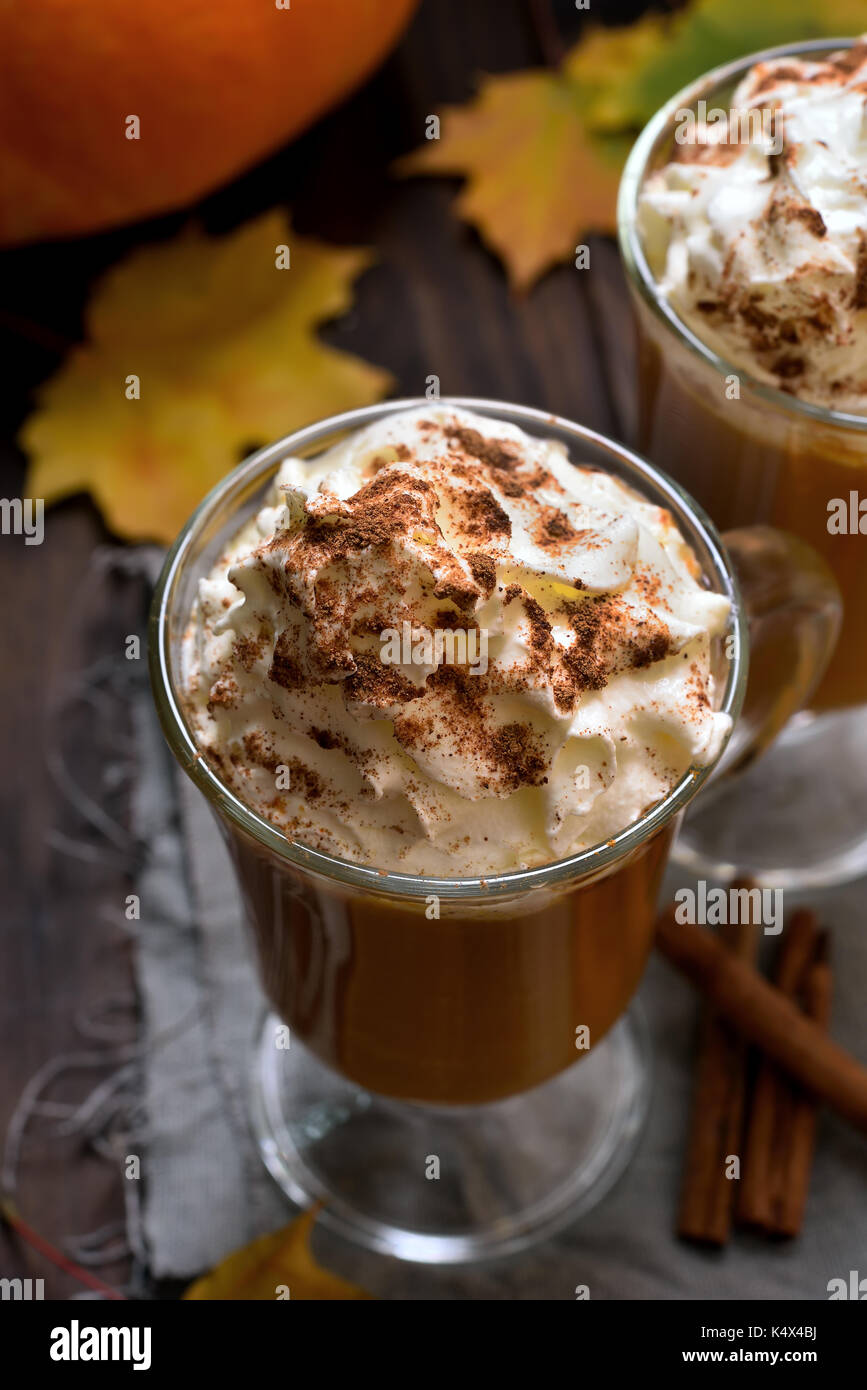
{"points": [[757, 231], [596, 694]]}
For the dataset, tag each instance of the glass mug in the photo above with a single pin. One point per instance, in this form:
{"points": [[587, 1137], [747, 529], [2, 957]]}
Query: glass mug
{"points": [[456, 1035], [763, 457]]}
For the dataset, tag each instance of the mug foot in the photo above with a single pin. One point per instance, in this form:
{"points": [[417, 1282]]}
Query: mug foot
{"points": [[446, 1185]]}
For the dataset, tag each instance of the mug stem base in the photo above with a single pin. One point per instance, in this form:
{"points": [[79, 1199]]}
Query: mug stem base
{"points": [[447, 1185]]}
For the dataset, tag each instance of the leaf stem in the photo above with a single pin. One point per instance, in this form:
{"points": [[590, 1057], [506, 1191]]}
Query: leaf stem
{"points": [[547, 32]]}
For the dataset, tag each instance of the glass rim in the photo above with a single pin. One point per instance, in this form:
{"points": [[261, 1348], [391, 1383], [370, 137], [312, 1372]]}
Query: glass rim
{"points": [[691, 519], [638, 271]]}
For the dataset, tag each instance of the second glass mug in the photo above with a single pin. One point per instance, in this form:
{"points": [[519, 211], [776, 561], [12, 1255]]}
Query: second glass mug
{"points": [[762, 456], [446, 1022]]}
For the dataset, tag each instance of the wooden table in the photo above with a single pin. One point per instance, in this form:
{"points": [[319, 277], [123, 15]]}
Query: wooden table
{"points": [[435, 303]]}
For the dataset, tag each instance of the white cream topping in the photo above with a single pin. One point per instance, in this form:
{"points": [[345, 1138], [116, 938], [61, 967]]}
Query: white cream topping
{"points": [[757, 232], [595, 697]]}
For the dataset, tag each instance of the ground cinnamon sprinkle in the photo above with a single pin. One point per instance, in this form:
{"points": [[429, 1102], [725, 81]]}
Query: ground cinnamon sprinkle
{"points": [[850, 59], [462, 591], [540, 630], [351, 569], [495, 452], [465, 691], [598, 625], [555, 530], [260, 750], [649, 586], [247, 651], [304, 781], [481, 516], [505, 758], [788, 366], [860, 299], [285, 668], [781, 72], [328, 601], [511, 486], [383, 509], [811, 218], [651, 643], [324, 737], [520, 756], [719, 154], [483, 570], [446, 620], [223, 692], [372, 683]]}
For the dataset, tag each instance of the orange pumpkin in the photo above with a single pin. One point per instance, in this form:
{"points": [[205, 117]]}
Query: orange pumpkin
{"points": [[215, 85]]}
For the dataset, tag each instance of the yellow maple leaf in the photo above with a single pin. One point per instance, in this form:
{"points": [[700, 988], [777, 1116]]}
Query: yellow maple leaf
{"points": [[603, 64], [534, 181], [279, 1265], [223, 347]]}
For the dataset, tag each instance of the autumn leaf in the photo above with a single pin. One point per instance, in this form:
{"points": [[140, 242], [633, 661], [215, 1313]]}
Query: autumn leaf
{"points": [[625, 75], [223, 346], [541, 151], [533, 177], [275, 1266], [603, 66]]}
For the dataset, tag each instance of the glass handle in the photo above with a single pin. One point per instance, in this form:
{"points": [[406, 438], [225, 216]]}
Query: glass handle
{"points": [[794, 610]]}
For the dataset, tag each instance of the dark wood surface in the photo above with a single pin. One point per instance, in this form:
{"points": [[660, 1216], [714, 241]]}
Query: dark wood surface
{"points": [[435, 302]]}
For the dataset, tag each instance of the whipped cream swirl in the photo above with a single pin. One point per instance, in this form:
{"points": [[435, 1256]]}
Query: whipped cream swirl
{"points": [[756, 232], [596, 694]]}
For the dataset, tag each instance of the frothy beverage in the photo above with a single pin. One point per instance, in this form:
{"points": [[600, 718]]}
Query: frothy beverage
{"points": [[757, 234], [755, 237], [597, 693], [333, 678]]}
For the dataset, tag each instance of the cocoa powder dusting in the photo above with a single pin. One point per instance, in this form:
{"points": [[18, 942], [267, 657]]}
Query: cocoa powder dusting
{"points": [[483, 517], [224, 692], [860, 296], [518, 755], [604, 630], [285, 668], [811, 218], [373, 683], [324, 737], [555, 530], [382, 510], [495, 452], [247, 651], [483, 570], [347, 601], [260, 750]]}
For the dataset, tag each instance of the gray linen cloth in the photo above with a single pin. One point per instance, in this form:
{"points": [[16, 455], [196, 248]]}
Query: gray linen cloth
{"points": [[208, 1192]]}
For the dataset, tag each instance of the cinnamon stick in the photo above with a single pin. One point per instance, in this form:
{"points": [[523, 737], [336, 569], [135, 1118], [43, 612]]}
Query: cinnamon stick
{"points": [[707, 1190], [770, 1130], [761, 1013], [795, 1176]]}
